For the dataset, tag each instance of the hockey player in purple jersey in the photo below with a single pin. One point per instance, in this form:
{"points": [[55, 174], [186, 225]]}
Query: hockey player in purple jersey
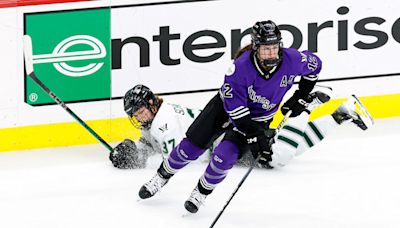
{"points": [[253, 89]]}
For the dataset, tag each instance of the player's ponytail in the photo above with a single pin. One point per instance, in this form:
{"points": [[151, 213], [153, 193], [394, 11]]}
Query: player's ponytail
{"points": [[243, 50]]}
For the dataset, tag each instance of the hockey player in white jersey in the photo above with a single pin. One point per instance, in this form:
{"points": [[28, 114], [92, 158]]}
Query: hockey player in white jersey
{"points": [[162, 125]]}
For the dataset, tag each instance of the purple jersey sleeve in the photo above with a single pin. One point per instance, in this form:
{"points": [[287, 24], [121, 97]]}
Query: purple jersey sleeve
{"points": [[310, 65]]}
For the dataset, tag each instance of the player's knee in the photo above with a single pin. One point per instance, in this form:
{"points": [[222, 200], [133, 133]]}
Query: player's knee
{"points": [[225, 154], [188, 150]]}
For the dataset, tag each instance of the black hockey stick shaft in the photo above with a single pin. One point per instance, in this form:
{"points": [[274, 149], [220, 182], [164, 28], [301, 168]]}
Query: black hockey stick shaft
{"points": [[65, 107], [29, 70], [248, 173], [234, 193]]}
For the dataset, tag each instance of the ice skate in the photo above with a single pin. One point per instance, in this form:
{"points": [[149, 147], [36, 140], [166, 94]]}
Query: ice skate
{"points": [[152, 187], [196, 199], [353, 110]]}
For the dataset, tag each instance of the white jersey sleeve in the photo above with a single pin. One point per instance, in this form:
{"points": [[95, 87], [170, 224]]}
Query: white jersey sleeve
{"points": [[148, 143], [170, 125]]}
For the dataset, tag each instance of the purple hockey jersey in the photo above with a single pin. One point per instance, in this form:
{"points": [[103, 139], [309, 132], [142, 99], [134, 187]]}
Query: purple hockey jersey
{"points": [[248, 90]]}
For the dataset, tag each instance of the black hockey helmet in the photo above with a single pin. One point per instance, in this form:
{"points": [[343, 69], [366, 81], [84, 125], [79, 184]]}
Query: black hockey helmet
{"points": [[137, 97], [267, 33]]}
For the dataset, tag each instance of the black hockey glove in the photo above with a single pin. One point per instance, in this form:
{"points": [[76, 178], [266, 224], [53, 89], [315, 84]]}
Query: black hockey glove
{"points": [[126, 156], [297, 104], [259, 144]]}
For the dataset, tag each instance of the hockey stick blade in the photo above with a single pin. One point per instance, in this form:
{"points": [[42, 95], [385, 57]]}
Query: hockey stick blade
{"points": [[28, 55]]}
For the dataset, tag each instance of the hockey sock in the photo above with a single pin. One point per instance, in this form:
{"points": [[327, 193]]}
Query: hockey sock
{"points": [[181, 155], [223, 159], [288, 139], [315, 132]]}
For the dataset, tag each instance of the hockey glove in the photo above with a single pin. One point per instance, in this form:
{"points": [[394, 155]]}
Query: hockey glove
{"points": [[126, 156], [259, 144], [297, 103]]}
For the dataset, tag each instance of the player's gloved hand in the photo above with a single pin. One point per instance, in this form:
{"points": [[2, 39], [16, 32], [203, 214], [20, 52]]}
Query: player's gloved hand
{"points": [[297, 104], [126, 156], [260, 145]]}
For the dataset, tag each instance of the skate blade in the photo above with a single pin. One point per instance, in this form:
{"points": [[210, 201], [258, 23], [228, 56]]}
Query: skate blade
{"points": [[187, 213], [363, 112]]}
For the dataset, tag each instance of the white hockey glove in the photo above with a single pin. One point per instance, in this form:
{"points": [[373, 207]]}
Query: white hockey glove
{"points": [[126, 156]]}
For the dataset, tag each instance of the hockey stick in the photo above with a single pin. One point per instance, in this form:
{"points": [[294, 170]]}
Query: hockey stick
{"points": [[30, 72], [283, 121]]}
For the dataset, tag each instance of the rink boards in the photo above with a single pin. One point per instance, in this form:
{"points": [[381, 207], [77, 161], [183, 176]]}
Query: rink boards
{"points": [[183, 62]]}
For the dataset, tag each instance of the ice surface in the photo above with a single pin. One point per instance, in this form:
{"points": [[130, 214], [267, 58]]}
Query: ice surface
{"points": [[349, 180]]}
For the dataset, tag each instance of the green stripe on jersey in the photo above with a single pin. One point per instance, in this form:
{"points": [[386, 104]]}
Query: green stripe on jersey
{"points": [[303, 134], [294, 130], [289, 141], [308, 140], [316, 131]]}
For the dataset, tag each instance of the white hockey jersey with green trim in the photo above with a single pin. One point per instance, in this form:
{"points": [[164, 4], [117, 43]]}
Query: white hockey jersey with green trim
{"points": [[170, 125]]}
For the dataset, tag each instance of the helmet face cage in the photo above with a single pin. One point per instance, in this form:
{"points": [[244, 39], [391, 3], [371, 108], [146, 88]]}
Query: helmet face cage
{"points": [[137, 97], [267, 33]]}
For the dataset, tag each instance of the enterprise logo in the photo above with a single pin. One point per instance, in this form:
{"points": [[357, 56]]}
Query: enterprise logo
{"points": [[61, 56]]}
